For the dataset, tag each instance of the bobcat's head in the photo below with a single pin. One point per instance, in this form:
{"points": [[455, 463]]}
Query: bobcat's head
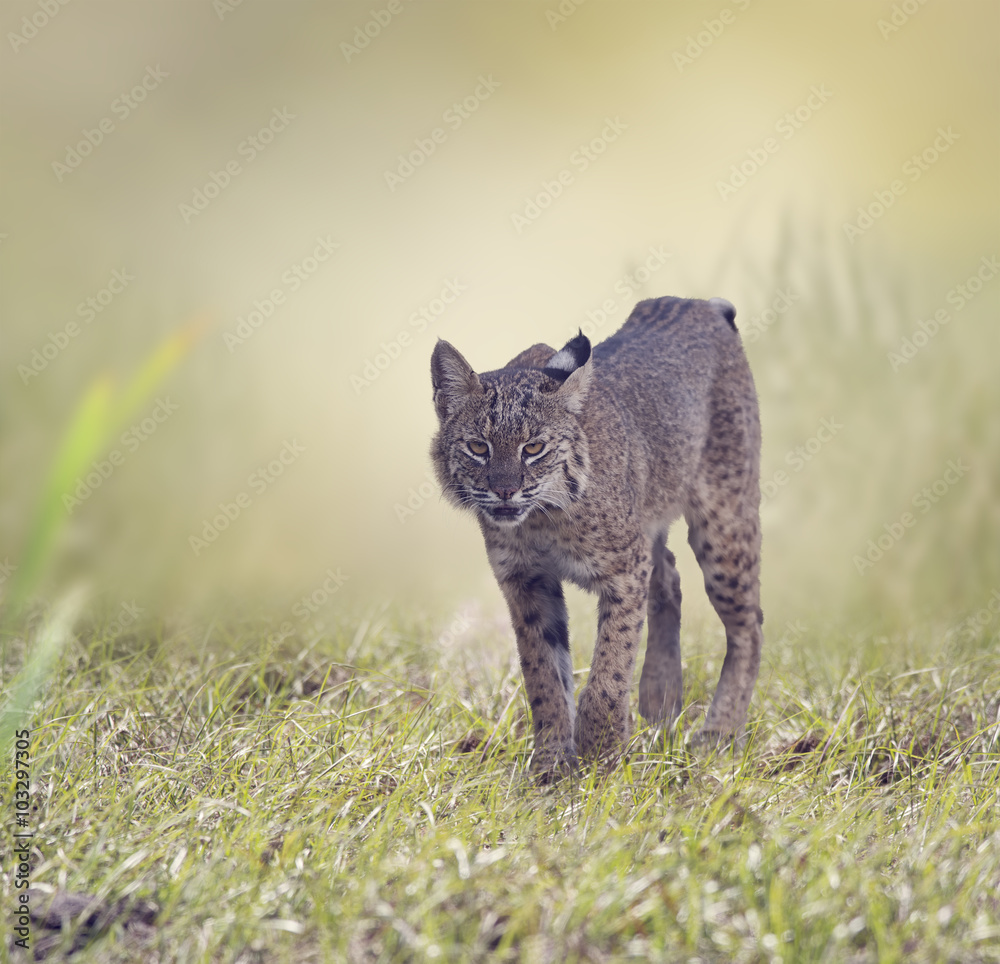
{"points": [[509, 440]]}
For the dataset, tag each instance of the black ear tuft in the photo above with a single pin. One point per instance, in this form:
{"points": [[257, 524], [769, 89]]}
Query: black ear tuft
{"points": [[724, 308], [573, 355]]}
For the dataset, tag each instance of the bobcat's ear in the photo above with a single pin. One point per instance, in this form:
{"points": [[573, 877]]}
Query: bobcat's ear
{"points": [[452, 377], [571, 366]]}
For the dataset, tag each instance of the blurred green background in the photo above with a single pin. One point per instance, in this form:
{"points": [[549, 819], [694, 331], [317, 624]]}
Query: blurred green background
{"points": [[704, 148]]}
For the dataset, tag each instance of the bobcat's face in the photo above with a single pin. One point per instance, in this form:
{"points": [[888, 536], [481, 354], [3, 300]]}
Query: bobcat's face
{"points": [[509, 442], [507, 453]]}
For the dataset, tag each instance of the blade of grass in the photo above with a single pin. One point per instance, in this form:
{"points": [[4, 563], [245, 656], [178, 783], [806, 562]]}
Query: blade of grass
{"points": [[98, 418], [27, 685]]}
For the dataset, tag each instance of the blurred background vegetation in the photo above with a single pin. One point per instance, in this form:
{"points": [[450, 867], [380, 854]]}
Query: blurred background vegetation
{"points": [[688, 90]]}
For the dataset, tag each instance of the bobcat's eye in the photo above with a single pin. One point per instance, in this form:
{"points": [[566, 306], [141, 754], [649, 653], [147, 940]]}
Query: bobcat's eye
{"points": [[533, 448], [478, 448]]}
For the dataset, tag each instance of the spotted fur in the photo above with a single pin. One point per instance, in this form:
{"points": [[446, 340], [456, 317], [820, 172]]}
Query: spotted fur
{"points": [[658, 421]]}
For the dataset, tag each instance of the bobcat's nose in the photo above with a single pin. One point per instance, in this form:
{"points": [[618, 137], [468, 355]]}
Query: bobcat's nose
{"points": [[504, 478]]}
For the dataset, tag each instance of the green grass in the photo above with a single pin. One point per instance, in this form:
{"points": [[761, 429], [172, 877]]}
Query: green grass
{"points": [[363, 796]]}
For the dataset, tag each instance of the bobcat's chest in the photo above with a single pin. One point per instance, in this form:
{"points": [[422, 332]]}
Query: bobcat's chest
{"points": [[566, 552]]}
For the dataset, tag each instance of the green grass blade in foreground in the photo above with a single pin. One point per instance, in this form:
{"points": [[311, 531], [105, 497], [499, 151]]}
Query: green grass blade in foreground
{"points": [[96, 420], [27, 685], [83, 439], [155, 368]]}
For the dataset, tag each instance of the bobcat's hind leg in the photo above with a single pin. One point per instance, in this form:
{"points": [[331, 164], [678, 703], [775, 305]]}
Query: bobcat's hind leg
{"points": [[661, 684], [726, 542]]}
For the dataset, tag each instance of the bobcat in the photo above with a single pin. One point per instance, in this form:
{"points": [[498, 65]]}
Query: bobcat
{"points": [[575, 463]]}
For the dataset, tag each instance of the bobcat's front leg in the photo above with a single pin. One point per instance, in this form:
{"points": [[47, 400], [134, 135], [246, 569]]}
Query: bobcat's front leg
{"points": [[538, 612], [602, 722]]}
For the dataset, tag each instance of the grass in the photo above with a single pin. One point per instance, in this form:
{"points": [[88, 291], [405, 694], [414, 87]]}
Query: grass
{"points": [[362, 796]]}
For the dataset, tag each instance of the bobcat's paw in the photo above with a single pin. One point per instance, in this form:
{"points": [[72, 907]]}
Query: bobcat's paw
{"points": [[712, 739], [553, 762], [656, 704]]}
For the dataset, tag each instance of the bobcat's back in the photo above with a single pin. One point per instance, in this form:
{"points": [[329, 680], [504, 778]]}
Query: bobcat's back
{"points": [[670, 377]]}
